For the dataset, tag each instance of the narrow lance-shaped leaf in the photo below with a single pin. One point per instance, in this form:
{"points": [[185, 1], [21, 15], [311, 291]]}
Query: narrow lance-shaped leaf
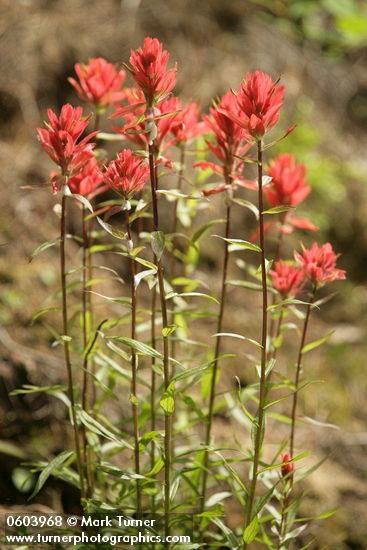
{"points": [[137, 346], [42, 247], [316, 343], [55, 464], [239, 244], [157, 241]]}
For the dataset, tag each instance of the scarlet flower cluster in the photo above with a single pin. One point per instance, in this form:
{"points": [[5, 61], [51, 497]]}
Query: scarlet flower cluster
{"points": [[127, 174], [228, 144], [88, 181], [259, 100], [99, 82], [148, 67], [61, 142], [287, 279], [319, 264]]}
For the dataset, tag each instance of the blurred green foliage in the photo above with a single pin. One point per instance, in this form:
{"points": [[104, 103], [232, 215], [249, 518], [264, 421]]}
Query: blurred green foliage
{"points": [[338, 26]]}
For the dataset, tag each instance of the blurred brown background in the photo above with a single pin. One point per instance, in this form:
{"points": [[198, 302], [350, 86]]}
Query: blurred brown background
{"points": [[320, 50]]}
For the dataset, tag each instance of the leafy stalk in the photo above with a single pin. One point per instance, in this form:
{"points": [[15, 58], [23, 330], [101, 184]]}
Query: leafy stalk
{"points": [[85, 382], [262, 397], [133, 397], [174, 231], [153, 386], [214, 369], [289, 484], [66, 345], [166, 370], [298, 371]]}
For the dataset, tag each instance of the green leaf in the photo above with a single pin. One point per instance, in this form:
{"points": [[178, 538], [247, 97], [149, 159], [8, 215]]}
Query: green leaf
{"points": [[193, 371], [168, 330], [191, 295], [158, 466], [204, 228], [247, 204], [167, 401], [278, 209], [280, 464], [316, 343], [112, 230], [157, 241], [55, 464], [85, 202], [98, 428], [42, 312], [239, 336], [251, 531], [239, 244], [246, 284], [137, 346], [42, 247], [217, 497]]}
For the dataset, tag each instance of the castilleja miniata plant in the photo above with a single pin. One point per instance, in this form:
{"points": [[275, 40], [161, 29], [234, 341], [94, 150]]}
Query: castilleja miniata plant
{"points": [[143, 382]]}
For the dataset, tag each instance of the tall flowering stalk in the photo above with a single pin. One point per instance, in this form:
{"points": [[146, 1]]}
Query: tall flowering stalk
{"points": [[148, 67], [88, 184], [61, 142], [127, 175], [228, 146], [259, 100], [288, 188], [143, 126], [318, 267]]}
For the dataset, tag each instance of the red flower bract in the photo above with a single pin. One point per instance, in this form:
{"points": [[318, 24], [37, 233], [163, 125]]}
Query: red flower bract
{"points": [[127, 174], [99, 82], [259, 100], [88, 180], [60, 139], [287, 279], [149, 70], [228, 144], [288, 185], [287, 469], [186, 125], [318, 264], [135, 129]]}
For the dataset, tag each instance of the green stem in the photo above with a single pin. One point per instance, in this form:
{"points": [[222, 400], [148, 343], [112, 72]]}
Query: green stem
{"points": [[153, 385], [85, 385], [133, 398], [166, 370], [66, 346], [298, 371], [174, 231], [214, 369], [262, 397], [289, 487]]}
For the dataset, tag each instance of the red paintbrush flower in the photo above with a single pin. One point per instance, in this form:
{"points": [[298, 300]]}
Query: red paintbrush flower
{"points": [[186, 125], [149, 70], [288, 186], [228, 144], [259, 100], [99, 82], [137, 124], [60, 139], [318, 264], [287, 469], [88, 181], [287, 279], [127, 174]]}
